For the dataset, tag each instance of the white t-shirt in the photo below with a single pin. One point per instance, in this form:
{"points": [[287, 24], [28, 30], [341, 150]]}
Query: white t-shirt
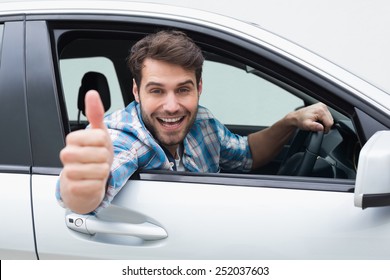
{"points": [[178, 161]]}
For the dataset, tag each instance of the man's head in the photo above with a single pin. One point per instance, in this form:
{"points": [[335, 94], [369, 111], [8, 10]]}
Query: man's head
{"points": [[171, 46], [167, 69]]}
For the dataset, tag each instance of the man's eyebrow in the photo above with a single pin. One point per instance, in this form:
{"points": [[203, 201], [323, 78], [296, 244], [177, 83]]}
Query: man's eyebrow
{"points": [[153, 84], [189, 81]]}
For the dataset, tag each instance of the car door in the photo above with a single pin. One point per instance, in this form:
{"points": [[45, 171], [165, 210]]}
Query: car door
{"points": [[164, 215]]}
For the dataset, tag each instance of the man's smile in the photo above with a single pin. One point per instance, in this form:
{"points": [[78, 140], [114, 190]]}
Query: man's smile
{"points": [[171, 122]]}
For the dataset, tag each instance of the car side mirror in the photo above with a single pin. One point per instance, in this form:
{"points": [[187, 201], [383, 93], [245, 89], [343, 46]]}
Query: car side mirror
{"points": [[372, 187]]}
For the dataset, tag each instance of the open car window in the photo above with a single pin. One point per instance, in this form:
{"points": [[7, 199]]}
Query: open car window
{"points": [[241, 91], [239, 97]]}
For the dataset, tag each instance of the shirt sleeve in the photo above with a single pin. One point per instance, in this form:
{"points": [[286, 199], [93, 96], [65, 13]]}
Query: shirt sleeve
{"points": [[123, 167], [235, 151]]}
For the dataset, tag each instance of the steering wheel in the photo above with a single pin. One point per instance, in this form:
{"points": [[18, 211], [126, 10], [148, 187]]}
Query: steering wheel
{"points": [[301, 163]]}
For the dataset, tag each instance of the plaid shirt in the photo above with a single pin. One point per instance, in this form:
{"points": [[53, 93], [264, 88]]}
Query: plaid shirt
{"points": [[208, 147]]}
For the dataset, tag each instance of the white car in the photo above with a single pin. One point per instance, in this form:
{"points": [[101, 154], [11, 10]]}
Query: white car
{"points": [[285, 210]]}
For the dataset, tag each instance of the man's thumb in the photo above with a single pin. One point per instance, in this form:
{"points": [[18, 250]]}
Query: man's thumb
{"points": [[94, 109]]}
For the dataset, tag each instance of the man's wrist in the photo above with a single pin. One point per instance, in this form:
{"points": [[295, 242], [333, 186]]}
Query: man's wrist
{"points": [[290, 120]]}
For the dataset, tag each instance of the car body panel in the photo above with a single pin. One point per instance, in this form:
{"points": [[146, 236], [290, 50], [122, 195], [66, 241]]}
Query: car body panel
{"points": [[16, 235]]}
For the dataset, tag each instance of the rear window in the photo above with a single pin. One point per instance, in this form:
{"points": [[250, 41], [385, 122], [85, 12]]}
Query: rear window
{"points": [[73, 70]]}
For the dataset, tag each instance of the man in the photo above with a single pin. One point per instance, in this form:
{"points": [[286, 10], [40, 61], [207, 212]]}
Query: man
{"points": [[165, 128]]}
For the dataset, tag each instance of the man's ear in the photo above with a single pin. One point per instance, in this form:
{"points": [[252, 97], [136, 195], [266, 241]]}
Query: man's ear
{"points": [[200, 86], [135, 91]]}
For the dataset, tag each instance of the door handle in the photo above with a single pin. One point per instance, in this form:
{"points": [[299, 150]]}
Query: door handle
{"points": [[89, 224]]}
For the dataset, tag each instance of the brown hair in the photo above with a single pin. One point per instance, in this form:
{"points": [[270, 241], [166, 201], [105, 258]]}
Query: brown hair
{"points": [[170, 46]]}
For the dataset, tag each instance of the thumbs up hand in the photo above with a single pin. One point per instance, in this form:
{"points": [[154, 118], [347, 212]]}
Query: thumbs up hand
{"points": [[87, 159], [94, 109]]}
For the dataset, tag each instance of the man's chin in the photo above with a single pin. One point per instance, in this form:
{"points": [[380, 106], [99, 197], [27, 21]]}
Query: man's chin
{"points": [[170, 142]]}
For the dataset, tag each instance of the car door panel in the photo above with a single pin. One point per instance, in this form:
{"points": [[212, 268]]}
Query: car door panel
{"points": [[205, 221]]}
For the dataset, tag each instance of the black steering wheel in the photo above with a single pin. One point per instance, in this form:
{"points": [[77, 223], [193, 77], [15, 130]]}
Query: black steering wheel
{"points": [[302, 154]]}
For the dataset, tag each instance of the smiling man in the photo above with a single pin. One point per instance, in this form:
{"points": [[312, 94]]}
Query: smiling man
{"points": [[164, 128]]}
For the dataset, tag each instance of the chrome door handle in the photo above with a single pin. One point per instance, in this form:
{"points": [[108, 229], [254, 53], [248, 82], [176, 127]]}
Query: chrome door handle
{"points": [[89, 224]]}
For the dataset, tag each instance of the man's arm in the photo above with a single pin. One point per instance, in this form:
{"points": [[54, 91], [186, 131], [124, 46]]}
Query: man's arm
{"points": [[267, 143], [87, 159]]}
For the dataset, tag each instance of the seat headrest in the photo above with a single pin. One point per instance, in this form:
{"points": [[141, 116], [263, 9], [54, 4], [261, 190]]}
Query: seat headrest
{"points": [[98, 82]]}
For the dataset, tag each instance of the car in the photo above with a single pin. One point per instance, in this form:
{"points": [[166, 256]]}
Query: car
{"points": [[52, 52]]}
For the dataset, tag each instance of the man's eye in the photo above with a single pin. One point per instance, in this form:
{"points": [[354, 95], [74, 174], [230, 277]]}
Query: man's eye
{"points": [[183, 90], [156, 91]]}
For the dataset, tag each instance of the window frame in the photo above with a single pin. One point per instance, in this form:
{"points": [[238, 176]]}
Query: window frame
{"points": [[248, 180], [1, 38]]}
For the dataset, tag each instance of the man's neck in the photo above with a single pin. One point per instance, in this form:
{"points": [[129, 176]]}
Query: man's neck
{"points": [[172, 150]]}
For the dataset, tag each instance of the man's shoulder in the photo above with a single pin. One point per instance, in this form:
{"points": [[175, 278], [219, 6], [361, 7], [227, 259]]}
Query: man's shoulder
{"points": [[124, 119], [129, 113], [206, 121]]}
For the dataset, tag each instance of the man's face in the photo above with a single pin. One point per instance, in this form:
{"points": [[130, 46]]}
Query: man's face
{"points": [[168, 96]]}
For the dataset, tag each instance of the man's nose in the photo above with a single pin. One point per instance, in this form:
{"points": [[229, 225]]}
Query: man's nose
{"points": [[171, 103]]}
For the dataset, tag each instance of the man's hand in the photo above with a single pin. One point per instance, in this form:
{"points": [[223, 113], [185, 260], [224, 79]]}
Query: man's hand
{"points": [[87, 159], [267, 143], [315, 118]]}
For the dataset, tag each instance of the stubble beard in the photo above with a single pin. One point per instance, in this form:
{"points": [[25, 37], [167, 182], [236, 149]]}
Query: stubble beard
{"points": [[168, 139]]}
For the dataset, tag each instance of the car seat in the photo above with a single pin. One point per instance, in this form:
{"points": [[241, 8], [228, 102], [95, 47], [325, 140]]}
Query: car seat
{"points": [[98, 82]]}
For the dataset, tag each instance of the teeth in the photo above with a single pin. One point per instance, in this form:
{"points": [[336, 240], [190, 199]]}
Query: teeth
{"points": [[170, 120]]}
